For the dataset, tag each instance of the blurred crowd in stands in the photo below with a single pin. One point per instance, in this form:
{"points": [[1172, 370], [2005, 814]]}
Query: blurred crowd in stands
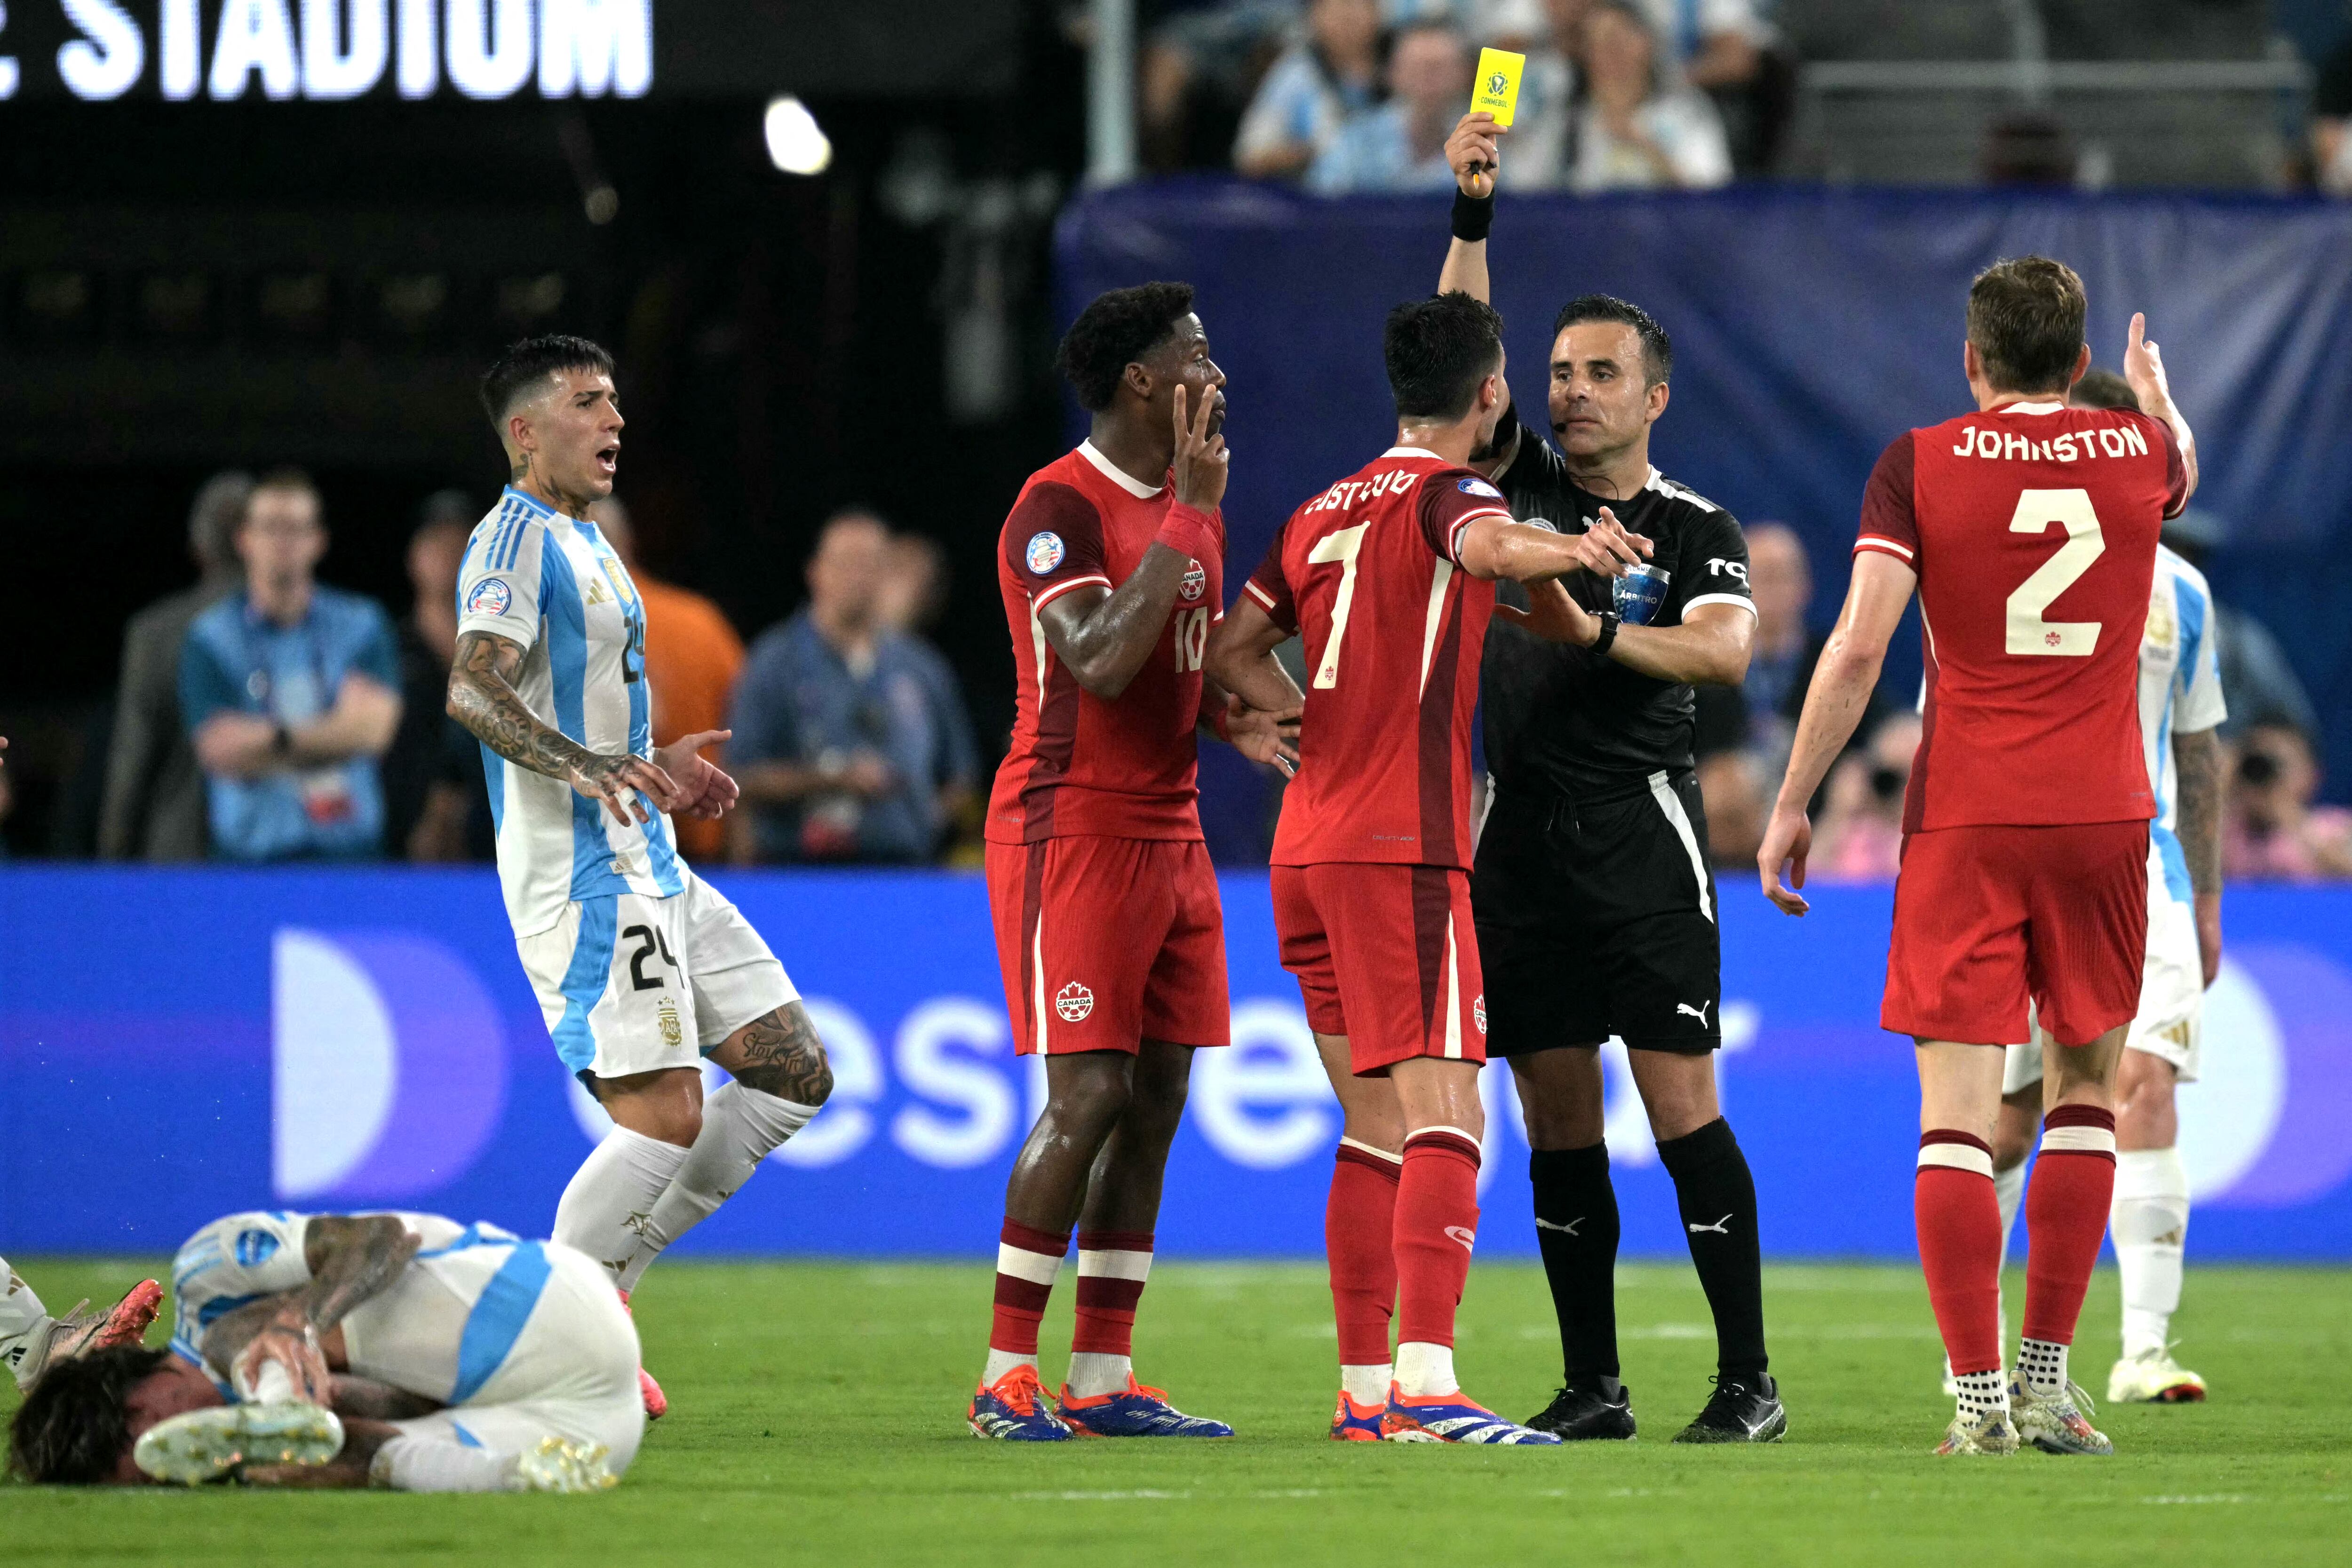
{"points": [[265, 716], [1356, 95]]}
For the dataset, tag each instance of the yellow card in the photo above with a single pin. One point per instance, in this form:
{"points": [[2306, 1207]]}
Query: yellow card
{"points": [[1499, 84]]}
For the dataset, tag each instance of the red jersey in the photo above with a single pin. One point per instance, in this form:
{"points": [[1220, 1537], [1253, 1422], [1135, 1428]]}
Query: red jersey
{"points": [[2034, 529], [1368, 573], [1079, 764]]}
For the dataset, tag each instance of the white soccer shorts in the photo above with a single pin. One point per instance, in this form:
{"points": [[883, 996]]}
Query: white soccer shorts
{"points": [[631, 984], [572, 1373], [2171, 1020]]}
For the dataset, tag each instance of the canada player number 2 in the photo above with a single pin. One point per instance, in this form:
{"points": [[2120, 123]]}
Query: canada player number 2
{"points": [[1341, 546], [2037, 510]]}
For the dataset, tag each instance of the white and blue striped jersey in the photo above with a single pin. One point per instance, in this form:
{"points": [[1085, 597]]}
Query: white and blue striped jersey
{"points": [[2179, 694], [442, 1329], [551, 582]]}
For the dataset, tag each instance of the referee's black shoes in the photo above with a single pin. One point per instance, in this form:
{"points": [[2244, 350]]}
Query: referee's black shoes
{"points": [[1583, 1411], [1742, 1410]]}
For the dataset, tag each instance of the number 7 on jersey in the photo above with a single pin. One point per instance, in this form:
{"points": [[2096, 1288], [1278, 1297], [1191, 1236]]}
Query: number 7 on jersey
{"points": [[1342, 546]]}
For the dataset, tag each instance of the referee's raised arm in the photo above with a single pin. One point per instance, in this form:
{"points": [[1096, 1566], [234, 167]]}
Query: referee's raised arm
{"points": [[1474, 155]]}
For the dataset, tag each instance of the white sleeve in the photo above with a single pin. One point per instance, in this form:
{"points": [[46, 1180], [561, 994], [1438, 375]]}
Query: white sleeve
{"points": [[499, 587], [2197, 704], [230, 1263], [1694, 140]]}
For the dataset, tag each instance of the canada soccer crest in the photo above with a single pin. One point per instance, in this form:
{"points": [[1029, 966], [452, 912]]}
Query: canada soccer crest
{"points": [[1478, 1012], [1045, 551], [489, 597], [1074, 1002], [1195, 583]]}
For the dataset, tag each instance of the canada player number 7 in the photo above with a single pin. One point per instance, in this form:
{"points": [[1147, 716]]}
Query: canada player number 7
{"points": [[1341, 546], [2027, 632]]}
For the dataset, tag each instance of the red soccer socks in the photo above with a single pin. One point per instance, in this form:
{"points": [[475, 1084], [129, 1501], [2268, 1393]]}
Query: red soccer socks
{"points": [[1436, 1225], [1026, 1262], [1358, 1239], [2065, 1217], [1958, 1220], [1112, 1268]]}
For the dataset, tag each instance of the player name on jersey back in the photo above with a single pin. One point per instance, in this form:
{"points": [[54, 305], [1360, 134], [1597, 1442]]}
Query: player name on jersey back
{"points": [[2034, 531], [1368, 574]]}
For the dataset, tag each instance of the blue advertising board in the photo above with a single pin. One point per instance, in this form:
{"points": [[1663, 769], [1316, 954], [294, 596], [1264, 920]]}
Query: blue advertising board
{"points": [[178, 1044]]}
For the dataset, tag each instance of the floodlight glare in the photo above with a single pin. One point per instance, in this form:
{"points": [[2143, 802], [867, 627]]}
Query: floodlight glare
{"points": [[796, 144]]}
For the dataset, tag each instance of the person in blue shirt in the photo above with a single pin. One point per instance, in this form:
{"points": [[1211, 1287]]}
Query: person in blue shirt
{"points": [[290, 692], [840, 744], [1401, 146]]}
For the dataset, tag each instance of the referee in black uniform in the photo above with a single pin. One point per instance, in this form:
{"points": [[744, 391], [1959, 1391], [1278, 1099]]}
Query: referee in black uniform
{"points": [[1595, 908]]}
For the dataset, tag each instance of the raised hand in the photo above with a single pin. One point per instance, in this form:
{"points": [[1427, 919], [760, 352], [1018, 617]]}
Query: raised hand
{"points": [[1201, 458], [1788, 840], [708, 791], [1553, 614], [2143, 367], [1263, 737], [1472, 155]]}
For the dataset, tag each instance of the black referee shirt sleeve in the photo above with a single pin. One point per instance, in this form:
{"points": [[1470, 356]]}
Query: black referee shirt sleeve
{"points": [[1714, 565]]}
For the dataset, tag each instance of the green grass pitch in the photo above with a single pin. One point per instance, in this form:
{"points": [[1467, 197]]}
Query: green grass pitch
{"points": [[817, 1418]]}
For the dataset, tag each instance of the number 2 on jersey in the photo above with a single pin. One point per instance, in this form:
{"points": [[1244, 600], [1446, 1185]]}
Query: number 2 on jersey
{"points": [[1341, 546], [2027, 632]]}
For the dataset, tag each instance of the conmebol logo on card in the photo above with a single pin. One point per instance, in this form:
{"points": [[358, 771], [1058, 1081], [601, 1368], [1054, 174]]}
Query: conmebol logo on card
{"points": [[388, 1066]]}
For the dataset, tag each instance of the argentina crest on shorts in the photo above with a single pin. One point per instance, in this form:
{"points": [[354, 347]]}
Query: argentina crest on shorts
{"points": [[1045, 551]]}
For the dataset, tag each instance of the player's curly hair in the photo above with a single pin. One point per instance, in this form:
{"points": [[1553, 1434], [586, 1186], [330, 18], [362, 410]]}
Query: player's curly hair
{"points": [[1657, 348], [72, 1428], [1120, 327], [1438, 351], [523, 363]]}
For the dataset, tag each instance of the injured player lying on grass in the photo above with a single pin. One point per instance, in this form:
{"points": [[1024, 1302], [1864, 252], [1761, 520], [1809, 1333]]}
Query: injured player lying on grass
{"points": [[402, 1351]]}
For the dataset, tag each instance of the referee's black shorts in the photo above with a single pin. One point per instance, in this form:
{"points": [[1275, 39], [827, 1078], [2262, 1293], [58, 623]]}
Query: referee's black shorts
{"points": [[1598, 918]]}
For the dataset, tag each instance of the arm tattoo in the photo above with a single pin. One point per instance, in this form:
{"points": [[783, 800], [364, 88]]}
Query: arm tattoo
{"points": [[2198, 820], [483, 699], [351, 1261], [781, 1055]]}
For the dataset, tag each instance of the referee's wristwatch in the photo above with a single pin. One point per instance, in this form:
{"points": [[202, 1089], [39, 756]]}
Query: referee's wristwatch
{"points": [[1610, 622]]}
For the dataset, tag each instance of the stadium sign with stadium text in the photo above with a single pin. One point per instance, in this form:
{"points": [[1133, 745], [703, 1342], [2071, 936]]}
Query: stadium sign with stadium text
{"points": [[231, 51], [205, 1040]]}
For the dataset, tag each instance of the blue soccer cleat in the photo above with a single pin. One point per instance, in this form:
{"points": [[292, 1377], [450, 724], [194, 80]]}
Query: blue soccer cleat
{"points": [[1134, 1410], [1013, 1410], [1451, 1419], [1354, 1423]]}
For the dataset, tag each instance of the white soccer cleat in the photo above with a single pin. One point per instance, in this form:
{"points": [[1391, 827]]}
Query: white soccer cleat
{"points": [[2153, 1377], [561, 1465], [209, 1445], [2055, 1423], [1988, 1432]]}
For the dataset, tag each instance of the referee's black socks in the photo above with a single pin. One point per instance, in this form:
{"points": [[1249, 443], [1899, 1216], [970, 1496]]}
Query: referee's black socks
{"points": [[1717, 1199], [1576, 1227]]}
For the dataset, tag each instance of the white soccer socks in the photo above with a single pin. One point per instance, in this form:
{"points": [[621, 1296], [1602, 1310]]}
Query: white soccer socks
{"points": [[22, 1320], [605, 1209], [1425, 1371], [2150, 1222], [410, 1463], [741, 1127]]}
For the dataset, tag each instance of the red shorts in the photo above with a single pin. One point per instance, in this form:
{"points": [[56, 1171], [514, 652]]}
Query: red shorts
{"points": [[1387, 956], [1107, 941], [1986, 916]]}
